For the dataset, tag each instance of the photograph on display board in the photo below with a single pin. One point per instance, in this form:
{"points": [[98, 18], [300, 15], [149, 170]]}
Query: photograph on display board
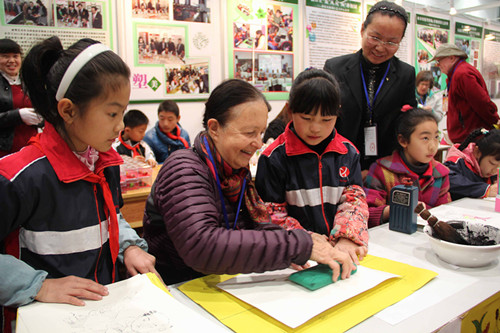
{"points": [[429, 39], [79, 14], [33, 12], [188, 79], [161, 45], [148, 9], [280, 28], [271, 72], [192, 10], [249, 36]]}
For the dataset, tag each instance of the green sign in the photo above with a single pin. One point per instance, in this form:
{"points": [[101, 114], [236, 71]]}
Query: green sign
{"points": [[338, 5], [433, 22], [468, 30]]}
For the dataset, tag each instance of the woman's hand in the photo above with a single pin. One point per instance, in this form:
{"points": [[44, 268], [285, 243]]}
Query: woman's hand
{"points": [[70, 290], [137, 261], [355, 251], [324, 253]]}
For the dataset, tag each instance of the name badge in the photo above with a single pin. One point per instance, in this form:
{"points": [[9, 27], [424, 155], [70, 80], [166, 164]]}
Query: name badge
{"points": [[445, 102], [371, 141]]}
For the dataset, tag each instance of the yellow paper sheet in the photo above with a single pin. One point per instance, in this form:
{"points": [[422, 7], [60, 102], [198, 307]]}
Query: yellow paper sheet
{"points": [[242, 317]]}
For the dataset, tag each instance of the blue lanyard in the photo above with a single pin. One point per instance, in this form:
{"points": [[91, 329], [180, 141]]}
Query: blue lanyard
{"points": [[224, 211], [422, 101], [370, 107], [449, 79]]}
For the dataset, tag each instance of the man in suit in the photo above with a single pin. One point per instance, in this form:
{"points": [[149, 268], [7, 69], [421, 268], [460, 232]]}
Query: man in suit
{"points": [[374, 84], [96, 18], [180, 49], [171, 47]]}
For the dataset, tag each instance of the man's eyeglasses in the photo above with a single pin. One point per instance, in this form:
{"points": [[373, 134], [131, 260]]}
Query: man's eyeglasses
{"points": [[376, 41]]}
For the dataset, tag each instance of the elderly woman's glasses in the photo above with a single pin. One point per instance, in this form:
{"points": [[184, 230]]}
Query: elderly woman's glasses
{"points": [[377, 41]]}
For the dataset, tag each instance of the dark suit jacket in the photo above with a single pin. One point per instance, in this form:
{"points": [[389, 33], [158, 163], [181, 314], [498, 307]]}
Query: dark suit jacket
{"points": [[397, 90], [97, 21]]}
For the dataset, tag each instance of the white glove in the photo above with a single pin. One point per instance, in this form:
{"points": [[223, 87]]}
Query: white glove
{"points": [[29, 116]]}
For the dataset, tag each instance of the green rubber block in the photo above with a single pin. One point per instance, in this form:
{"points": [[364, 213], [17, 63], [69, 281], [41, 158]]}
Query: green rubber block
{"points": [[315, 277]]}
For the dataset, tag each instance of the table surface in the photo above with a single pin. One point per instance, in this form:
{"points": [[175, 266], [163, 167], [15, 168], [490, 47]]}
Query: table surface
{"points": [[415, 250]]}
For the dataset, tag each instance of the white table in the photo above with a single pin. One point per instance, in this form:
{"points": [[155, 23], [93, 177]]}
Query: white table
{"points": [[481, 283]]}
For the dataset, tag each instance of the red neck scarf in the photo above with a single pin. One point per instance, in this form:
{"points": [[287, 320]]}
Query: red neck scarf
{"points": [[135, 149], [176, 136]]}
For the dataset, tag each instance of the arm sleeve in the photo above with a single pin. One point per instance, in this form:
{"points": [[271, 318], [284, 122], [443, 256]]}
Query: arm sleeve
{"points": [[10, 118], [148, 152], [190, 207], [463, 182], [352, 216], [128, 237], [270, 179], [19, 282], [478, 98], [376, 194]]}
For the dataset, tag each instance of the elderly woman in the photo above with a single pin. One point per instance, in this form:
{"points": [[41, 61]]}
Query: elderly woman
{"points": [[204, 215], [428, 99], [18, 119]]}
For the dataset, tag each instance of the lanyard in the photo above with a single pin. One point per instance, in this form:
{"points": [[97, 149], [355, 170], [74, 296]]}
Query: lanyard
{"points": [[422, 101], [370, 107], [449, 79], [224, 211]]}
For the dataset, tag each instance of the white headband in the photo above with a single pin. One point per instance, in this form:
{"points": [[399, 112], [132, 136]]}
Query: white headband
{"points": [[76, 65]]}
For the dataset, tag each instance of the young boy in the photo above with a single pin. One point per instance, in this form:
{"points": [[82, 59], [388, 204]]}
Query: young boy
{"points": [[312, 173], [130, 142], [167, 136]]}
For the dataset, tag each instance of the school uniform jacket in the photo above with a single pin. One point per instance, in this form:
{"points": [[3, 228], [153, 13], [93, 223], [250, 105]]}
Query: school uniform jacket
{"points": [[53, 220], [323, 192], [142, 146], [465, 174], [390, 171], [162, 145], [397, 90]]}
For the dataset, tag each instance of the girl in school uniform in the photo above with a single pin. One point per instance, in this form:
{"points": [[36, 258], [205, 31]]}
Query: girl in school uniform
{"points": [[474, 165], [62, 232], [312, 173], [418, 138]]}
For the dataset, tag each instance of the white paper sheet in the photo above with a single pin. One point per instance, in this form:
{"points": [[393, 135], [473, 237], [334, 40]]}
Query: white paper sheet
{"points": [[483, 213], [292, 304], [134, 305]]}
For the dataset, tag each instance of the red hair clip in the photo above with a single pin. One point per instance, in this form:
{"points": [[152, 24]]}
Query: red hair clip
{"points": [[406, 108]]}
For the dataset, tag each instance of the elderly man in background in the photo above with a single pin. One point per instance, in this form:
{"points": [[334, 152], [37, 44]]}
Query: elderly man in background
{"points": [[469, 104]]}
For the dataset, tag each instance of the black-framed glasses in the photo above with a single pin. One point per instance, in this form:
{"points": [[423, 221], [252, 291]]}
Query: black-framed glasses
{"points": [[396, 11], [376, 41]]}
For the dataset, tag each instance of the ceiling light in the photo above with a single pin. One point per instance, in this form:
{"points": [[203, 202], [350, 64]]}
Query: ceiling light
{"points": [[453, 11], [467, 28]]}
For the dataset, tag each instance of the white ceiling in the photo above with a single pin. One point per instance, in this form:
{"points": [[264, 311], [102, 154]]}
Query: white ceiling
{"points": [[483, 10]]}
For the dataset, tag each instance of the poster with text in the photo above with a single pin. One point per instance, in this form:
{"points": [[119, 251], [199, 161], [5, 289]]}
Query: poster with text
{"points": [[333, 28], [430, 33], [262, 44], [28, 22], [171, 49], [468, 38], [491, 62]]}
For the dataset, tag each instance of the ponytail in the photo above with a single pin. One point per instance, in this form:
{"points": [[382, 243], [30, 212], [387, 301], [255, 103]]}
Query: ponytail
{"points": [[488, 145], [35, 77]]}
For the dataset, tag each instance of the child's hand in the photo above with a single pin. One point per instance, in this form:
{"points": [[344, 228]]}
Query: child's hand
{"points": [[140, 158], [152, 162], [139, 261], [70, 290], [493, 190], [324, 253], [355, 251]]}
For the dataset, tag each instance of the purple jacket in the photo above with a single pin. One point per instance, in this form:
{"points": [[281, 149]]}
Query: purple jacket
{"points": [[185, 229]]}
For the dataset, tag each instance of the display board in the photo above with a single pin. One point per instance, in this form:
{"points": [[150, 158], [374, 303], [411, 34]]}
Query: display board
{"points": [[28, 22], [171, 47], [491, 64], [468, 37], [332, 29], [430, 33], [263, 45]]}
